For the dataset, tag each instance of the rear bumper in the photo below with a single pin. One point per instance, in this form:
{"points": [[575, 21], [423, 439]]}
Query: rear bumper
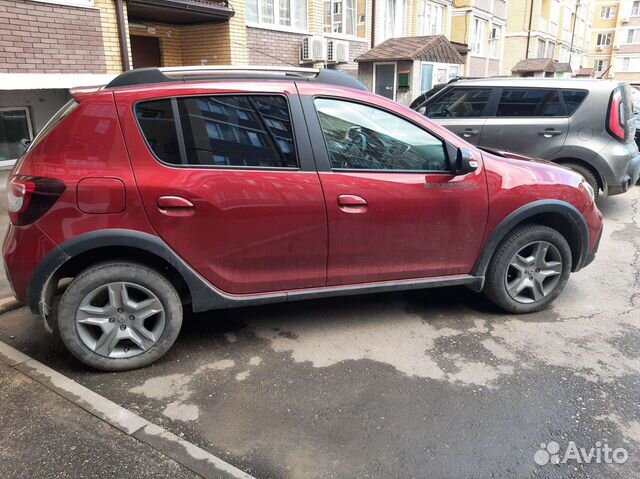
{"points": [[23, 249], [629, 178]]}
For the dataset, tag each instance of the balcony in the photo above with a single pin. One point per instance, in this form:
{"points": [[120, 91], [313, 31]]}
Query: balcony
{"points": [[181, 12]]}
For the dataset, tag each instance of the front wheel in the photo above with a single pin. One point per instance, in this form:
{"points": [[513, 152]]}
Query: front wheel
{"points": [[529, 270], [119, 316]]}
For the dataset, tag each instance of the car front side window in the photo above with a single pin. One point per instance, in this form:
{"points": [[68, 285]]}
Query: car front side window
{"points": [[366, 138], [459, 103]]}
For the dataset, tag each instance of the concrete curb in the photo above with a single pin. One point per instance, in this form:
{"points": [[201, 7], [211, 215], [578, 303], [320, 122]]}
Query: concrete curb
{"points": [[183, 452], [9, 303]]}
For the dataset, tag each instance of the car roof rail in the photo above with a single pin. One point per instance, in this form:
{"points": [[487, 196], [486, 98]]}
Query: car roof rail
{"points": [[149, 76]]}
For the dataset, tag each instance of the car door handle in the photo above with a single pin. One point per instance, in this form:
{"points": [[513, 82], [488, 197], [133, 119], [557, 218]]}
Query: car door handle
{"points": [[352, 204], [175, 206], [549, 132], [468, 133]]}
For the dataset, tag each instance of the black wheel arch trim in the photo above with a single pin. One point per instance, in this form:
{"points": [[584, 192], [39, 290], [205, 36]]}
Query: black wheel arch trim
{"points": [[522, 214]]}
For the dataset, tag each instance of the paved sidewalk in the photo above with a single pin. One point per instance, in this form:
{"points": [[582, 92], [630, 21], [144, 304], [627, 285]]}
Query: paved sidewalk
{"points": [[44, 435]]}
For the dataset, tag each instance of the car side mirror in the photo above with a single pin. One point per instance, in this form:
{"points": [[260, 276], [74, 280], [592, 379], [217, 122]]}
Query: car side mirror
{"points": [[462, 162]]}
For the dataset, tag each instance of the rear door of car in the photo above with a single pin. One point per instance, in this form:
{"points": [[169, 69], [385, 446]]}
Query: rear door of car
{"points": [[227, 178], [529, 121], [461, 109]]}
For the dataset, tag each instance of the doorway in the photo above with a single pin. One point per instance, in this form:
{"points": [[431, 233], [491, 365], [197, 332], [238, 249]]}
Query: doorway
{"points": [[384, 80], [145, 51]]}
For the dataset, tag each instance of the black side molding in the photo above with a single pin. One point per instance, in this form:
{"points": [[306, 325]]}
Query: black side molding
{"points": [[204, 296], [566, 210]]}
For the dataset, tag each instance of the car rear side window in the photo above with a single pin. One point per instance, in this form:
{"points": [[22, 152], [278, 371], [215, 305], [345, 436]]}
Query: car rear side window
{"points": [[159, 128], [230, 130], [459, 103], [573, 99], [526, 102]]}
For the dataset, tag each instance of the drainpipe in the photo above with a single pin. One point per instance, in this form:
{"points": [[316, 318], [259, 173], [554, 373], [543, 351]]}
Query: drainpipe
{"points": [[573, 31], [526, 55], [122, 35], [373, 23]]}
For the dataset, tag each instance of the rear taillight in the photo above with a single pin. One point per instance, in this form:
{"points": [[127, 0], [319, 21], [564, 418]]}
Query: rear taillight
{"points": [[30, 197], [616, 120]]}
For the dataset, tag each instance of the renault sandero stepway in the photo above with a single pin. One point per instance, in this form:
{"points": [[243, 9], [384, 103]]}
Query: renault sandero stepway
{"points": [[201, 189]]}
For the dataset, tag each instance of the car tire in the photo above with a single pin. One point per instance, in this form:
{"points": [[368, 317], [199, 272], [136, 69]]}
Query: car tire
{"points": [[521, 262], [588, 175], [119, 316]]}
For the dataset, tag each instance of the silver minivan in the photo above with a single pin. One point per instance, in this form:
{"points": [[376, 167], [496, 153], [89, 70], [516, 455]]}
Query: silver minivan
{"points": [[586, 125]]}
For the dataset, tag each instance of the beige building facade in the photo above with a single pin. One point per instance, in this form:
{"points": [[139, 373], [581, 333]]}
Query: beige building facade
{"points": [[548, 29]]}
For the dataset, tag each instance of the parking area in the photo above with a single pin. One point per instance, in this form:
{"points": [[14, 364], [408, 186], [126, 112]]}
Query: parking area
{"points": [[433, 383]]}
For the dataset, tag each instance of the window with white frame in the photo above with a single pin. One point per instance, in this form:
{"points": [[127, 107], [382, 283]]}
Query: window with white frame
{"points": [[603, 39], [15, 126], [74, 3], [494, 39], [633, 35], [627, 64], [344, 16], [564, 54], [600, 65], [542, 48], [479, 27], [607, 12], [432, 15], [635, 9], [395, 11], [551, 49], [278, 13]]}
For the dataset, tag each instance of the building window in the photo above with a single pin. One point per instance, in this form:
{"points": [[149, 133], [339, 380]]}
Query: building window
{"points": [[600, 65], [607, 12], [432, 15], [345, 17], [73, 3], [494, 38], [477, 38], [628, 64], [395, 11], [15, 126], [279, 13], [551, 50], [542, 48], [603, 39], [633, 35], [635, 9]]}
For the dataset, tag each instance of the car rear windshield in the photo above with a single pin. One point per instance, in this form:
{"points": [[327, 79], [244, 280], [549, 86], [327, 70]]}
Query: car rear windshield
{"points": [[220, 130]]}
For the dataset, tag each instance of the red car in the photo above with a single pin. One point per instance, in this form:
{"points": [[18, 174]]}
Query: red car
{"points": [[217, 188]]}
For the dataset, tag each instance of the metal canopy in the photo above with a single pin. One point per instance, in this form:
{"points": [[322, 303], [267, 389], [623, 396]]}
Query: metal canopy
{"points": [[180, 12]]}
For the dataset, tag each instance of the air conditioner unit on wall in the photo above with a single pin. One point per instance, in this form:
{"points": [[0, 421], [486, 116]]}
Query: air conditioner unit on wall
{"points": [[616, 47], [599, 48], [337, 51], [625, 20], [313, 49]]}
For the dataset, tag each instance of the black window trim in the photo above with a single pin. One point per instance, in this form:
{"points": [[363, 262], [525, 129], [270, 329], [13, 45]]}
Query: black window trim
{"points": [[559, 90], [488, 107], [367, 170], [181, 144]]}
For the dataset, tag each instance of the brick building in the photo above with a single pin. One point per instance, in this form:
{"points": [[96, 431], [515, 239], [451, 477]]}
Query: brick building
{"points": [[48, 46]]}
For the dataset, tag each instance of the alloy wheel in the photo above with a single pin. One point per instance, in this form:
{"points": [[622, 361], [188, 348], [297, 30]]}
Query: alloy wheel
{"points": [[533, 272], [120, 320]]}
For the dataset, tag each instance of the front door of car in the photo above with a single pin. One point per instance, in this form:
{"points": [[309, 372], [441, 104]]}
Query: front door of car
{"points": [[528, 121], [395, 209], [229, 183], [461, 110]]}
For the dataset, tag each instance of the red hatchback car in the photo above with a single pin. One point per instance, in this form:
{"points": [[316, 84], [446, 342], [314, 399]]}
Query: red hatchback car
{"points": [[217, 188]]}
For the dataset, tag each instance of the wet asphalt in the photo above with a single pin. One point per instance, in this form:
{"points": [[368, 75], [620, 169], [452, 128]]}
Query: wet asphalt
{"points": [[426, 384]]}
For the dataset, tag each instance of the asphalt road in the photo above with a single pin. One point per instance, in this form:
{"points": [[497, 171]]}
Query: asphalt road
{"points": [[430, 384]]}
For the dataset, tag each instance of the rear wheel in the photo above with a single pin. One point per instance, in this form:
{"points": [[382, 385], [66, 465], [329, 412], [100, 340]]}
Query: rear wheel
{"points": [[118, 316], [588, 175], [529, 269]]}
